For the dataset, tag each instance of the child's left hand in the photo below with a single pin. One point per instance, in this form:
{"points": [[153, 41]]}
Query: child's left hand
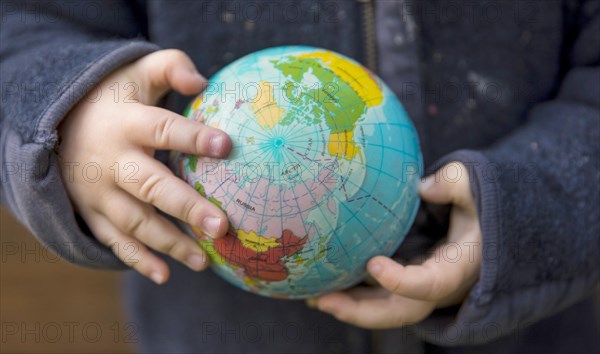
{"points": [[410, 293]]}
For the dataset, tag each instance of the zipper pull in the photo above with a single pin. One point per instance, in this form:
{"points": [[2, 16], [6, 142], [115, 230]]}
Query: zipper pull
{"points": [[369, 40]]}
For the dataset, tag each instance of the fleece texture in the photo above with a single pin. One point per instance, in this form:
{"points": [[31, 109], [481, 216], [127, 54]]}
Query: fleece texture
{"points": [[509, 88]]}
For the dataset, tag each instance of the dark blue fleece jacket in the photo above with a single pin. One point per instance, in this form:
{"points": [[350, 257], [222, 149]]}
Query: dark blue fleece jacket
{"points": [[509, 88]]}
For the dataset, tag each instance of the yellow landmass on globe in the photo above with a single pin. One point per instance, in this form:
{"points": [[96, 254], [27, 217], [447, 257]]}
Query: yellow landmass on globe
{"points": [[341, 145], [209, 248], [250, 281], [359, 79], [265, 108], [197, 230], [255, 241], [197, 102]]}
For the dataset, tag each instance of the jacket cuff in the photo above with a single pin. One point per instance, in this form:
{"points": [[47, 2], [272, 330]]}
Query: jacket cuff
{"points": [[31, 180], [466, 324], [492, 310], [81, 85]]}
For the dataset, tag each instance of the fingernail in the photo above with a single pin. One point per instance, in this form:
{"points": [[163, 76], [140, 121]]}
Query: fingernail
{"points": [[427, 183], [211, 225], [217, 144], [157, 278], [375, 268], [196, 262], [312, 302]]}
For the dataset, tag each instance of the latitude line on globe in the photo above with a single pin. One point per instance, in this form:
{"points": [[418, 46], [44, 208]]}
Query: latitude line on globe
{"points": [[340, 201]]}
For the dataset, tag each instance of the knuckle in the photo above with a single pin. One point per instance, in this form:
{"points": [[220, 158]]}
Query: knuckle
{"points": [[176, 54], [178, 249], [135, 223], [391, 281], [191, 211], [163, 130], [436, 289], [170, 247], [201, 139], [151, 188], [396, 287]]}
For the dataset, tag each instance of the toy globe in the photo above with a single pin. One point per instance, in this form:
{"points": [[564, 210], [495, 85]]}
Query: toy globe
{"points": [[323, 174]]}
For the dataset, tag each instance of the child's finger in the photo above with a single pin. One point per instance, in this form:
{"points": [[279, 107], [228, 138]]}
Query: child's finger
{"points": [[168, 69], [129, 250], [437, 278], [413, 281], [143, 223], [373, 308], [153, 183], [162, 129]]}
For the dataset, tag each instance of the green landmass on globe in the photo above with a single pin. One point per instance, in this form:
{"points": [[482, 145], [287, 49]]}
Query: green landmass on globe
{"points": [[323, 174]]}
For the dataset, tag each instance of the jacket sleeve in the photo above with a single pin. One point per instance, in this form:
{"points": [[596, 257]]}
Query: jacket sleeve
{"points": [[52, 54], [538, 200]]}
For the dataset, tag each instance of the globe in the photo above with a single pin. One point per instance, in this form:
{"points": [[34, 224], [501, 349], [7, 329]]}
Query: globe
{"points": [[323, 174]]}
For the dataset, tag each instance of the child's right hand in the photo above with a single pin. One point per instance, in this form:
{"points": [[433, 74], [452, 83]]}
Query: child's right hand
{"points": [[114, 132]]}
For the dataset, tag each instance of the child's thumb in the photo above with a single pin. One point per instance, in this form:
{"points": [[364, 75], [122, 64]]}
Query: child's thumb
{"points": [[169, 69], [449, 185]]}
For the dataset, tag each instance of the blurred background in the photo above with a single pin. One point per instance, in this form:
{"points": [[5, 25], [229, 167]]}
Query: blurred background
{"points": [[50, 306]]}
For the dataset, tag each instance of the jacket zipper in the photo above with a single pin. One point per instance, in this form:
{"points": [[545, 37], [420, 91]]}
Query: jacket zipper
{"points": [[369, 40]]}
